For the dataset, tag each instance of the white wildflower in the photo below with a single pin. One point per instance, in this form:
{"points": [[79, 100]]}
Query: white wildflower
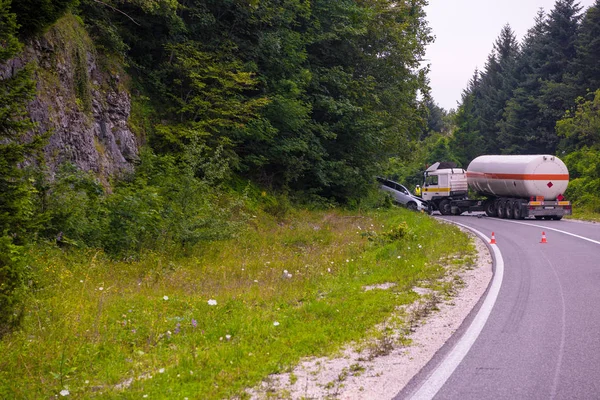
{"points": [[165, 297], [64, 392], [276, 323], [212, 302]]}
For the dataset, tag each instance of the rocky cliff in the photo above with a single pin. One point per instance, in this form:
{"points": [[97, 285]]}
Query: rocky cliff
{"points": [[82, 99]]}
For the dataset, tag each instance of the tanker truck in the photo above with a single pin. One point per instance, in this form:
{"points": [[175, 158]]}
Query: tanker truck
{"points": [[514, 187]]}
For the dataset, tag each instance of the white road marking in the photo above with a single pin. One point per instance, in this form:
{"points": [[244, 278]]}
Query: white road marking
{"points": [[563, 329], [443, 371], [555, 230]]}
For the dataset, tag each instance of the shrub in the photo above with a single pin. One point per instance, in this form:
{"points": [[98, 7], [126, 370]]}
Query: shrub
{"points": [[584, 169], [14, 276], [75, 209], [164, 206]]}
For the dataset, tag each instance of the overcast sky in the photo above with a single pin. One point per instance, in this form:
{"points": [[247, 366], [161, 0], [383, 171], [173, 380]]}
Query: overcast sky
{"points": [[465, 32]]}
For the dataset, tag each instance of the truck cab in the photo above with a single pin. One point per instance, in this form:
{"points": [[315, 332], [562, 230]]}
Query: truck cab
{"points": [[442, 183]]}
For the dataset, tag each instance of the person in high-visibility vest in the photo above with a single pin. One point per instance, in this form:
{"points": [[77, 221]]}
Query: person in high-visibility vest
{"points": [[418, 191]]}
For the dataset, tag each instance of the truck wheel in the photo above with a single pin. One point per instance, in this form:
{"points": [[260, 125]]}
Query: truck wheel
{"points": [[508, 209], [518, 213], [501, 208], [444, 207], [557, 217], [490, 208]]}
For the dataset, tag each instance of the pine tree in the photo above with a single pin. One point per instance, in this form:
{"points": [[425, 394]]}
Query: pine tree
{"points": [[586, 66], [517, 129], [435, 118], [559, 51], [16, 90], [467, 142], [559, 41], [543, 93], [497, 84]]}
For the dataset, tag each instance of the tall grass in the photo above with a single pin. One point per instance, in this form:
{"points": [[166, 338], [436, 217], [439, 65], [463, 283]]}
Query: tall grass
{"points": [[224, 317]]}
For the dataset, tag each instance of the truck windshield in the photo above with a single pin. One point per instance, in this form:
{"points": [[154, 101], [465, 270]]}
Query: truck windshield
{"points": [[431, 180]]}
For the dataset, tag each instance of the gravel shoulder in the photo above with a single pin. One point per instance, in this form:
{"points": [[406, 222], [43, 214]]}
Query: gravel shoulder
{"points": [[381, 369]]}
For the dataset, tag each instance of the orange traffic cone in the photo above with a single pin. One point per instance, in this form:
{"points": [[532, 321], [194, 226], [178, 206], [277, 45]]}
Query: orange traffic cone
{"points": [[543, 238], [493, 241]]}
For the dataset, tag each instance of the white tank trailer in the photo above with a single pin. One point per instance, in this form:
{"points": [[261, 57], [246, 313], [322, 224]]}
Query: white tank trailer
{"points": [[514, 187]]}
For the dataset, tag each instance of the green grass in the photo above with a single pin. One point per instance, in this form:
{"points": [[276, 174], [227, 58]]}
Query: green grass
{"points": [[585, 214], [104, 329]]}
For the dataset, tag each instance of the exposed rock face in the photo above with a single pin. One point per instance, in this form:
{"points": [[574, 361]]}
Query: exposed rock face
{"points": [[86, 105]]}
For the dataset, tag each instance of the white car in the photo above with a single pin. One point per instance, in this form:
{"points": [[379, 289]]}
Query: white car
{"points": [[402, 196]]}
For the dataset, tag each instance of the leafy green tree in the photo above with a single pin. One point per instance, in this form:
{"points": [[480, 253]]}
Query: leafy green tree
{"points": [[581, 128], [584, 184], [365, 64], [209, 95], [310, 96]]}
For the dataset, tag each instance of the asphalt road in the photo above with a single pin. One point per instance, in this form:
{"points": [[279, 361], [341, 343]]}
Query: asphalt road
{"points": [[541, 339]]}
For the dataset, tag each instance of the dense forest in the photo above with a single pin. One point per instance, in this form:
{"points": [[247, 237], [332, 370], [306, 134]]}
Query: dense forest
{"points": [[232, 101]]}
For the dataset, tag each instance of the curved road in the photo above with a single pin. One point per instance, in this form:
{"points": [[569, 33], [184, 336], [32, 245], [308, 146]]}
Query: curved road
{"points": [[542, 337]]}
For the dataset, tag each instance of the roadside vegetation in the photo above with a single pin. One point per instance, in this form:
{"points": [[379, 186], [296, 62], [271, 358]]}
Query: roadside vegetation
{"points": [[226, 314], [246, 235]]}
